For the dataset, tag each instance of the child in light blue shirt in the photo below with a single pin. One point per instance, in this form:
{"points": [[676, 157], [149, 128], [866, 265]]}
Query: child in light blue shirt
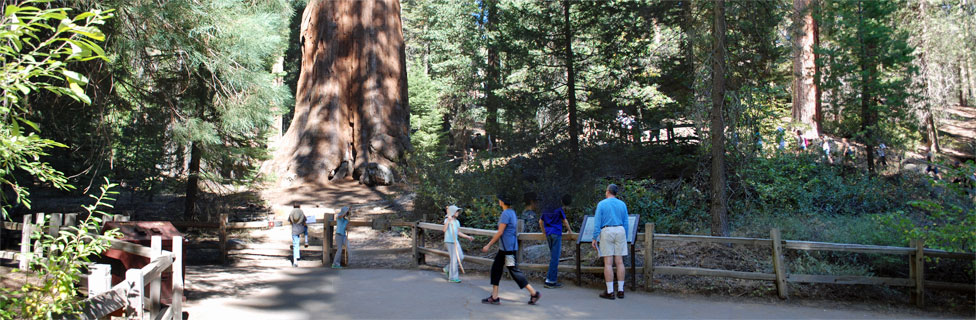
{"points": [[451, 233]]}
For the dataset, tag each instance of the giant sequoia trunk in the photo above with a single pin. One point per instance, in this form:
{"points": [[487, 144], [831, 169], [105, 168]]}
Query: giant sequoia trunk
{"points": [[351, 113], [806, 97]]}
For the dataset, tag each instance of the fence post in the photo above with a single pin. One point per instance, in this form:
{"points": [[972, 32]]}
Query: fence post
{"points": [[416, 241], [648, 256], [70, 219], [778, 265], [327, 220], [39, 226], [55, 226], [176, 303], [223, 238], [518, 240], [100, 279], [156, 244], [911, 272], [920, 273], [422, 234], [25, 242], [133, 277]]}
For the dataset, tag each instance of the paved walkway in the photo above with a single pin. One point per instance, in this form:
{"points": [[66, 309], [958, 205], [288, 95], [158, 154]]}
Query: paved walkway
{"points": [[317, 293]]}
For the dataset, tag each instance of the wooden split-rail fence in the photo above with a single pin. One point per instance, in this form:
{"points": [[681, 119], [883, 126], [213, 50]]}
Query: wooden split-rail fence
{"points": [[916, 254], [139, 295]]}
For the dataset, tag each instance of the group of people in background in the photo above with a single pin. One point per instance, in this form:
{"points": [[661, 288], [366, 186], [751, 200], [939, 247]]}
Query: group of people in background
{"points": [[299, 227], [609, 239]]}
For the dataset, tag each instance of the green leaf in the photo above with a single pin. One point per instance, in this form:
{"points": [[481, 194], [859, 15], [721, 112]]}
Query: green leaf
{"points": [[79, 93]]}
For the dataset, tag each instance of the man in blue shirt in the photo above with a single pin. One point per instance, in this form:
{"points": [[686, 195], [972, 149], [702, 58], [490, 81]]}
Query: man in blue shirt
{"points": [[610, 239]]}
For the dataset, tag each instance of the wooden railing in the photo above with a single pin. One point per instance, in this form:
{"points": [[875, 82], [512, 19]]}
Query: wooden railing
{"points": [[103, 298], [781, 277], [131, 294]]}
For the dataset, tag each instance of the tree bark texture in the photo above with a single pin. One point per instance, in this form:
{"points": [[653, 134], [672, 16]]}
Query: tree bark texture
{"points": [[868, 114], [805, 92], [352, 116], [719, 205], [570, 82], [192, 182]]}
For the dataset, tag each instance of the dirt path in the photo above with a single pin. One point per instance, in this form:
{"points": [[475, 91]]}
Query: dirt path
{"points": [[958, 132], [318, 293]]}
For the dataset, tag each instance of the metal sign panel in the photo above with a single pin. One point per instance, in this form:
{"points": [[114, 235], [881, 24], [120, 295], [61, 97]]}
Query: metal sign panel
{"points": [[586, 232]]}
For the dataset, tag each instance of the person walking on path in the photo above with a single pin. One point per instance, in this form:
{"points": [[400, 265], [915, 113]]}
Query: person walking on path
{"points": [[340, 236], [610, 239], [826, 149], [882, 155], [552, 222], [451, 233], [505, 258], [298, 227]]}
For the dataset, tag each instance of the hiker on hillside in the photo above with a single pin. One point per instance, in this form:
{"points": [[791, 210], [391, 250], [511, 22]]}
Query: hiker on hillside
{"points": [[298, 227], [882, 155], [610, 239], [552, 221], [826, 149], [801, 142], [451, 233], [506, 256]]}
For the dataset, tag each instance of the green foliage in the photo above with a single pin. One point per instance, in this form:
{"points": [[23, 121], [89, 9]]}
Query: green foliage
{"points": [[56, 292], [36, 47], [426, 114], [868, 70]]}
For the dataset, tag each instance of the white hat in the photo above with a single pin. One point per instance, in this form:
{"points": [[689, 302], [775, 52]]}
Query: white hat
{"points": [[453, 210]]}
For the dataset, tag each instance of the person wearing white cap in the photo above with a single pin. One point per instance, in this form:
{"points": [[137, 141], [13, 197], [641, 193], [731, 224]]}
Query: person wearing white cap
{"points": [[451, 233]]}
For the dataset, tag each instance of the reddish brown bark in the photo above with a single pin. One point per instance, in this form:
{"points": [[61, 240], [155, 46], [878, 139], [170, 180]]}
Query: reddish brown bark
{"points": [[351, 115], [806, 100], [719, 202]]}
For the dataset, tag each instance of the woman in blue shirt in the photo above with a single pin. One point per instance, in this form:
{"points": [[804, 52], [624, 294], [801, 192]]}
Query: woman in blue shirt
{"points": [[507, 252]]}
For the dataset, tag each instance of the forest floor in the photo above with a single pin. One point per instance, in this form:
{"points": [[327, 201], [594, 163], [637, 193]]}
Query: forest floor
{"points": [[958, 132]]}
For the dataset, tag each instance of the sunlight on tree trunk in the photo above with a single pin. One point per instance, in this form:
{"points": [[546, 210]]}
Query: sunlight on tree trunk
{"points": [[805, 92], [351, 112]]}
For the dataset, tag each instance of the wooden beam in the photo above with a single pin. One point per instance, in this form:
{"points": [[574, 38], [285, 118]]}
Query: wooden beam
{"points": [[223, 238], [327, 231], [176, 304], [134, 279], [101, 305], [861, 248], [778, 266], [690, 271], [920, 273], [830, 279], [694, 238], [649, 256], [25, 241], [155, 285]]}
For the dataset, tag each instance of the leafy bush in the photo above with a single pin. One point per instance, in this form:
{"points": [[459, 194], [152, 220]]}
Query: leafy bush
{"points": [[57, 293], [36, 46]]}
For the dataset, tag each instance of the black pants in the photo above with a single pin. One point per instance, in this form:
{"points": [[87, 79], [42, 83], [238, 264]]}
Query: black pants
{"points": [[497, 269]]}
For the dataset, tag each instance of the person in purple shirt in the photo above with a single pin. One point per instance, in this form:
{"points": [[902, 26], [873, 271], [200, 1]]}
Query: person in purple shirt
{"points": [[610, 239], [506, 254], [552, 221]]}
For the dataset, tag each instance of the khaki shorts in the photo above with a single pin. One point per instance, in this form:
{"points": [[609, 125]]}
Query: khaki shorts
{"points": [[613, 242]]}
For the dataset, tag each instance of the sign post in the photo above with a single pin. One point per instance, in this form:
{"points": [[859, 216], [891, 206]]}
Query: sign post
{"points": [[586, 236]]}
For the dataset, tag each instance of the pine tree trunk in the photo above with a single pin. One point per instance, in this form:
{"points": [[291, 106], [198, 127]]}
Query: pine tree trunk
{"points": [[805, 93], [192, 182], [867, 71], [719, 208], [570, 82], [351, 117], [493, 77], [688, 24]]}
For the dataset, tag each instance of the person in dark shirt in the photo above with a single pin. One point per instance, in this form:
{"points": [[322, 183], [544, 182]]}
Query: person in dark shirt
{"points": [[506, 256], [552, 221]]}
